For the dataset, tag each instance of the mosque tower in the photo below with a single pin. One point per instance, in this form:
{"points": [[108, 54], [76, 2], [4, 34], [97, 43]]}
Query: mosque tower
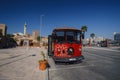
{"points": [[25, 27]]}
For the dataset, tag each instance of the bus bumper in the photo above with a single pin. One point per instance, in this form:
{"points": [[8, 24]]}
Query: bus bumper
{"points": [[71, 59]]}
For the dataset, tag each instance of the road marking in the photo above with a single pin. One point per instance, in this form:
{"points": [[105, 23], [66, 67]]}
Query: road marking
{"points": [[105, 49]]}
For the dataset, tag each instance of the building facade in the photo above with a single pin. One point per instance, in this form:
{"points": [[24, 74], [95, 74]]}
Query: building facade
{"points": [[35, 34], [117, 36], [3, 30]]}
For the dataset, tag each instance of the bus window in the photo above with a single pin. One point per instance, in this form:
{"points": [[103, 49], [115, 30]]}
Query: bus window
{"points": [[78, 36], [78, 39], [60, 37], [70, 36]]}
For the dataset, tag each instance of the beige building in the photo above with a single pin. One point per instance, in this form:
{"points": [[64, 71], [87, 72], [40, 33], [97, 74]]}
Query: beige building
{"points": [[3, 30], [21, 38], [45, 39], [35, 34]]}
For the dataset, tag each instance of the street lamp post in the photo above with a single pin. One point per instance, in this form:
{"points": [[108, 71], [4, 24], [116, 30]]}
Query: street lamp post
{"points": [[41, 28]]}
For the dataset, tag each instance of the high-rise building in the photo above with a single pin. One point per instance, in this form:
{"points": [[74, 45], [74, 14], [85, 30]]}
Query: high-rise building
{"points": [[116, 36], [3, 30]]}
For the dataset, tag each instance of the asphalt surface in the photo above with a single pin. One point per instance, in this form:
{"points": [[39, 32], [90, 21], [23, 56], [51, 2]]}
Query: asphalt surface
{"points": [[22, 64], [99, 64]]}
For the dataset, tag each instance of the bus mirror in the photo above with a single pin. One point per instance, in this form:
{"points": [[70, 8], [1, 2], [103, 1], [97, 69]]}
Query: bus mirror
{"points": [[50, 36], [83, 36]]}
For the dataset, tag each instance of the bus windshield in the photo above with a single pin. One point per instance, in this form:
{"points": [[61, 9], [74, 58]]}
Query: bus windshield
{"points": [[60, 36], [69, 36]]}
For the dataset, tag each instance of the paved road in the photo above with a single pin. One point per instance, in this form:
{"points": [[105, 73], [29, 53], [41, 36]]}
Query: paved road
{"points": [[99, 64], [21, 64]]}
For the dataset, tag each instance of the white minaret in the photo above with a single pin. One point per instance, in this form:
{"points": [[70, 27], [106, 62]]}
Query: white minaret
{"points": [[25, 27]]}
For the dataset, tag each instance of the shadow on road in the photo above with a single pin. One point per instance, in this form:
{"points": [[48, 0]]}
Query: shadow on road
{"points": [[14, 60], [68, 63], [11, 57]]}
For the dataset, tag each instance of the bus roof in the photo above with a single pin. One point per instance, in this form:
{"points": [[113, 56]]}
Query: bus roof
{"points": [[66, 28]]}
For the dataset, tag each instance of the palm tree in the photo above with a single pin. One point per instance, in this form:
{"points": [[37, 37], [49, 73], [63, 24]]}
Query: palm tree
{"points": [[84, 29], [92, 35], [38, 38]]}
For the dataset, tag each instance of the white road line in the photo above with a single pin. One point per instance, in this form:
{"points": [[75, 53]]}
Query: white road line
{"points": [[105, 49]]}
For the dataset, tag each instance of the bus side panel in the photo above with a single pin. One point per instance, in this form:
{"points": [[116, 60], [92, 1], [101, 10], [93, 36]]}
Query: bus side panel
{"points": [[50, 45]]}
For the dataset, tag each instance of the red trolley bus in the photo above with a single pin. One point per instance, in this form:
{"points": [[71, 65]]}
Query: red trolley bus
{"points": [[65, 45]]}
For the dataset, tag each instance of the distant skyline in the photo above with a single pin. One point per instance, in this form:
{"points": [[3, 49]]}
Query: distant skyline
{"points": [[102, 17]]}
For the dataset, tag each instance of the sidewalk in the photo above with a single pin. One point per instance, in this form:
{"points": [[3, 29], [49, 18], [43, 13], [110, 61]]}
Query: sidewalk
{"points": [[21, 64]]}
